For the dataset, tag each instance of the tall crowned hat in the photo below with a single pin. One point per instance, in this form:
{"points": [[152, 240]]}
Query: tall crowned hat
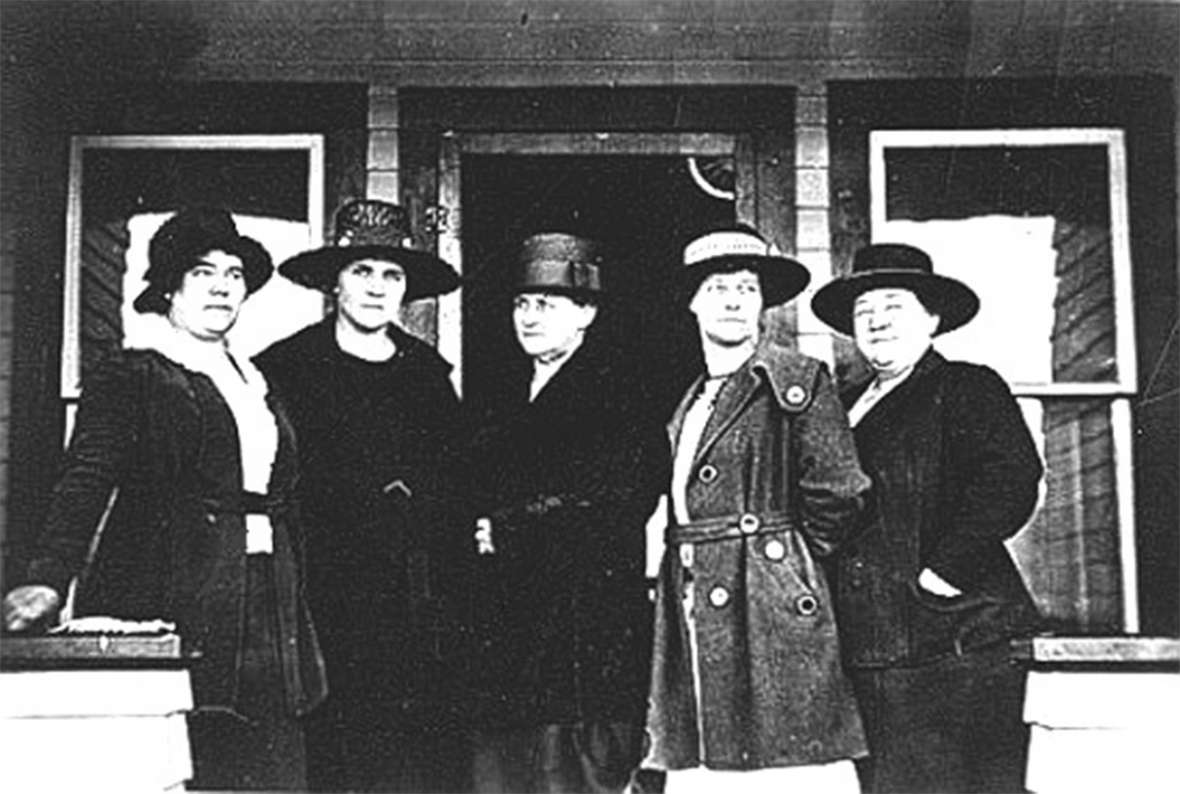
{"points": [[372, 229], [560, 263], [900, 266], [741, 247]]}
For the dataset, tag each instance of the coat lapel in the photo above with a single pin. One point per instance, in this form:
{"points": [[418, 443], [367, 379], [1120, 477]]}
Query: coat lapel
{"points": [[735, 393], [889, 405]]}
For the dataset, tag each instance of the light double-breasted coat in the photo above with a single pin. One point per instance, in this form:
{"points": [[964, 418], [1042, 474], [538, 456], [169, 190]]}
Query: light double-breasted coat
{"points": [[774, 485]]}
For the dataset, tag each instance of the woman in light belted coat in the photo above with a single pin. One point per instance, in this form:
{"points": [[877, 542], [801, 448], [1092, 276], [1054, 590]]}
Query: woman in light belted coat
{"points": [[747, 674]]}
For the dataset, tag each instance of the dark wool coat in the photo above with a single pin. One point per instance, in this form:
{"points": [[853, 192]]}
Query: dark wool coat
{"points": [[380, 503], [569, 480], [775, 483], [955, 472], [175, 544]]}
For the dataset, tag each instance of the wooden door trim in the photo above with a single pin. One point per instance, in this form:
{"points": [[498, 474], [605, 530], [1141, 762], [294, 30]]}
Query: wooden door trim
{"points": [[453, 146]]}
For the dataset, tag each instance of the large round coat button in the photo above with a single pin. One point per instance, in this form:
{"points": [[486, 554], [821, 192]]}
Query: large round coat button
{"points": [[718, 596], [806, 605], [796, 395], [749, 523], [775, 550], [707, 474]]}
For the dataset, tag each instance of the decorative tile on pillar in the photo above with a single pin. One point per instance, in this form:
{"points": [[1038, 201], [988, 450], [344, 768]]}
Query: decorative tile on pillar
{"points": [[383, 108], [811, 147], [383, 150], [382, 185], [811, 187], [812, 230]]}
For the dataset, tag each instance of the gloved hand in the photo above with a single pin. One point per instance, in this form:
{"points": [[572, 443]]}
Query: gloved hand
{"points": [[30, 606]]}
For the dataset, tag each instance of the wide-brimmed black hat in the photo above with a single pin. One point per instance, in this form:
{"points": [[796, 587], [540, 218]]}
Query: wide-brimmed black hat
{"points": [[175, 247], [741, 247], [372, 229], [898, 266], [560, 263]]}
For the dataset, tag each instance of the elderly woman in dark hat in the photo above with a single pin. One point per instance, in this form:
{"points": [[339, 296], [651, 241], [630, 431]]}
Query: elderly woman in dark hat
{"points": [[201, 460], [569, 469], [747, 687], [929, 595], [376, 417]]}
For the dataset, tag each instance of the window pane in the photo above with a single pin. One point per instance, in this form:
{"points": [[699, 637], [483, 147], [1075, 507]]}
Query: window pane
{"points": [[1028, 228], [1069, 551]]}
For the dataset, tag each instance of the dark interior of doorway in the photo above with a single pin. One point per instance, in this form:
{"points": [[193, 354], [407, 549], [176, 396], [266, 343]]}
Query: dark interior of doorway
{"points": [[642, 209]]}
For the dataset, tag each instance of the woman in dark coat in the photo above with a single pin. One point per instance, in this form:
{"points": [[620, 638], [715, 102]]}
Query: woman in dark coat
{"points": [[569, 468], [376, 413], [929, 596], [747, 690], [204, 530]]}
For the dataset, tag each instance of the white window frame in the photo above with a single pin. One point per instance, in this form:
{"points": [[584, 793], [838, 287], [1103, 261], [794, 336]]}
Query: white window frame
{"points": [[313, 145], [1124, 388]]}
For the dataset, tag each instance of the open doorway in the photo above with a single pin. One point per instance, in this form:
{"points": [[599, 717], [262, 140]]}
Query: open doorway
{"points": [[642, 208]]}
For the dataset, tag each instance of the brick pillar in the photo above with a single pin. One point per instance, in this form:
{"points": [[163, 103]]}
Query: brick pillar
{"points": [[813, 240], [381, 168], [382, 181]]}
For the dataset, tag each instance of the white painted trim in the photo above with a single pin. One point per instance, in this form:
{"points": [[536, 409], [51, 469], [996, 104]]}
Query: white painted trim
{"points": [[1070, 390], [1121, 432], [79, 144], [449, 320], [1120, 251]]}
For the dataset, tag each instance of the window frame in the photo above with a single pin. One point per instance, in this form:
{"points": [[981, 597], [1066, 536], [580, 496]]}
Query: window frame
{"points": [[1121, 391], [71, 354]]}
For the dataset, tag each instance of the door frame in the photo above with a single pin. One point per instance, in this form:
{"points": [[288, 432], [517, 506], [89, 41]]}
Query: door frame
{"points": [[756, 124], [452, 148]]}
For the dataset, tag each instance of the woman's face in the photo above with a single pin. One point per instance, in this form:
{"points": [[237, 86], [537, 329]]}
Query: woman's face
{"points": [[892, 328], [369, 293], [549, 325], [728, 307], [210, 296]]}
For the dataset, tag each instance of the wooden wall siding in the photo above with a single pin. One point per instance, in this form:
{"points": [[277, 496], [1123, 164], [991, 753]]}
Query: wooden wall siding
{"points": [[618, 42], [1072, 562], [7, 303], [103, 264], [1084, 321]]}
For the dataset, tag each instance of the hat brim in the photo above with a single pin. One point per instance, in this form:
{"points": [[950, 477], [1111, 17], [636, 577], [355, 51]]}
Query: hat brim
{"points": [[256, 263], [426, 274], [597, 297], [780, 277], [953, 301]]}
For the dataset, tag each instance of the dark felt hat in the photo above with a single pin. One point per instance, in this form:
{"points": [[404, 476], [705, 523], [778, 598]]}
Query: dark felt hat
{"points": [[560, 263], [175, 247], [372, 229], [898, 266], [741, 247]]}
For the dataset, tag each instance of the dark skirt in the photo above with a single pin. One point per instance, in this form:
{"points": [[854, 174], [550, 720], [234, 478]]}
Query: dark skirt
{"points": [[952, 725], [581, 757], [259, 745]]}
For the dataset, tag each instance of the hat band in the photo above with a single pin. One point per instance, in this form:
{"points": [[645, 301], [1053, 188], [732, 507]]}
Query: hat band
{"points": [[356, 239], [556, 273], [726, 243]]}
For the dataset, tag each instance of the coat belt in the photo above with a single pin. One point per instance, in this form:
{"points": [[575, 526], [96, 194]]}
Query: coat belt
{"points": [[245, 502], [708, 530]]}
